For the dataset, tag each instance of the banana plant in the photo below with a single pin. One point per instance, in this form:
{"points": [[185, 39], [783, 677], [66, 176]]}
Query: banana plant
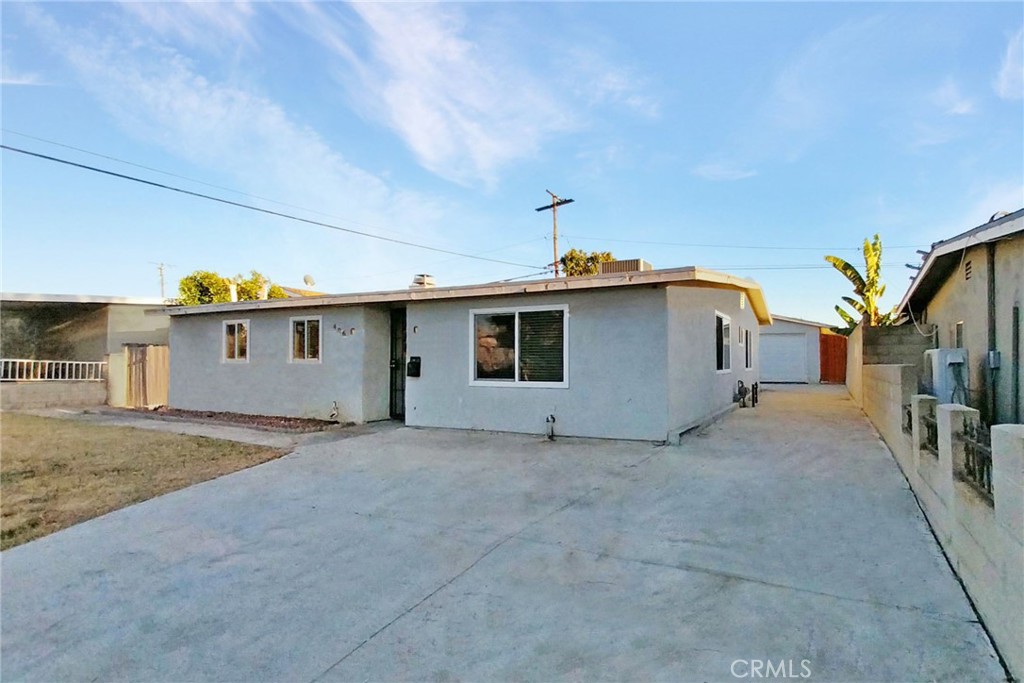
{"points": [[868, 287]]}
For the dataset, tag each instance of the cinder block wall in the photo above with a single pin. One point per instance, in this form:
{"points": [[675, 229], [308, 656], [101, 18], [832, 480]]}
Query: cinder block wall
{"points": [[984, 539], [887, 389], [901, 345], [31, 395]]}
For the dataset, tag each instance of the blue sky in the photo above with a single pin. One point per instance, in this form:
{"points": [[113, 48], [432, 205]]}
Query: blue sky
{"points": [[754, 138]]}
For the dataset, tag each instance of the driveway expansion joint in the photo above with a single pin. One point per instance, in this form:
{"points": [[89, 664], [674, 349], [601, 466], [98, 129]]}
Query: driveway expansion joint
{"points": [[453, 579]]}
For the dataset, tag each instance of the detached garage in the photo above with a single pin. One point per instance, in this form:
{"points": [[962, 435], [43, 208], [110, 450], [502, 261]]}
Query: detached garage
{"points": [[801, 352]]}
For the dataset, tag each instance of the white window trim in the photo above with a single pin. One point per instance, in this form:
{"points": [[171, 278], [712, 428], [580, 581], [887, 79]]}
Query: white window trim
{"points": [[748, 356], [958, 324], [224, 339], [320, 344], [739, 335], [727, 320], [517, 383]]}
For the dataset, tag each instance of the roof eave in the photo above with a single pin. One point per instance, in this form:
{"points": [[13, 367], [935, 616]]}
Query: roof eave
{"points": [[638, 278], [1005, 226]]}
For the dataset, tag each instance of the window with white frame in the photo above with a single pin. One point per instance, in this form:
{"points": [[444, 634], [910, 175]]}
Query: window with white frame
{"points": [[305, 339], [958, 335], [236, 341], [749, 350], [523, 346], [723, 342]]}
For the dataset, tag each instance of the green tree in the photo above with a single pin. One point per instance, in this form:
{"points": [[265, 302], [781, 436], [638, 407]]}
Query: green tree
{"points": [[868, 287], [207, 287], [577, 263]]}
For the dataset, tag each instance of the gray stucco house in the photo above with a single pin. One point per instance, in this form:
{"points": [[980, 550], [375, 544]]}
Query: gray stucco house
{"points": [[641, 355]]}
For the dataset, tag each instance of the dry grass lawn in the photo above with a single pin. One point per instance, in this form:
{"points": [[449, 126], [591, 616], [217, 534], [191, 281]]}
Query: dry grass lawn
{"points": [[57, 472]]}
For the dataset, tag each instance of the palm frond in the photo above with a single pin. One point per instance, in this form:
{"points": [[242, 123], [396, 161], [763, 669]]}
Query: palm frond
{"points": [[847, 318], [856, 305], [850, 272]]}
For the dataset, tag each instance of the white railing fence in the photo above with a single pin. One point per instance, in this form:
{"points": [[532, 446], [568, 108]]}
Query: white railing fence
{"points": [[20, 369]]}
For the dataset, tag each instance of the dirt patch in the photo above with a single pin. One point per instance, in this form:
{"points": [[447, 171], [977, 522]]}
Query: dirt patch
{"points": [[292, 424], [56, 473]]}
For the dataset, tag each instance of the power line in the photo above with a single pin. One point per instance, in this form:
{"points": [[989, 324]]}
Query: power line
{"points": [[732, 246], [260, 209], [793, 267], [198, 182]]}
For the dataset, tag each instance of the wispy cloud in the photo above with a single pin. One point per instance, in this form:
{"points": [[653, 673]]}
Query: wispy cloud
{"points": [[462, 100], [948, 98], [810, 96], [205, 24], [159, 96], [463, 113], [10, 76], [1009, 83], [723, 171], [597, 80]]}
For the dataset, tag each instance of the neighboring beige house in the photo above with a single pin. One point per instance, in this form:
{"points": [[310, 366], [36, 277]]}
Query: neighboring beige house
{"points": [[61, 349], [971, 289]]}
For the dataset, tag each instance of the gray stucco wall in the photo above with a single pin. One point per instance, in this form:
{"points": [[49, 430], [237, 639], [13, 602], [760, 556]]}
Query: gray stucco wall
{"points": [[269, 384], [376, 363], [696, 390], [617, 369], [812, 333]]}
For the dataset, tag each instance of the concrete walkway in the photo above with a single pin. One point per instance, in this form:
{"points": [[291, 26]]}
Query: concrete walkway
{"points": [[784, 533]]}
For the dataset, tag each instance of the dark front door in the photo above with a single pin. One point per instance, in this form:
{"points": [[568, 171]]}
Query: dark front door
{"points": [[398, 363]]}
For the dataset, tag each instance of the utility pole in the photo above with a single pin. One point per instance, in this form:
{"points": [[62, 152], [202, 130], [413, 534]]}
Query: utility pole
{"points": [[160, 269], [556, 202]]}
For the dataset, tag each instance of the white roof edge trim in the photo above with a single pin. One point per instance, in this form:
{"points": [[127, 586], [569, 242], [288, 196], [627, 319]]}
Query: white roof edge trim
{"points": [[689, 274], [998, 231], [22, 297], [802, 321]]}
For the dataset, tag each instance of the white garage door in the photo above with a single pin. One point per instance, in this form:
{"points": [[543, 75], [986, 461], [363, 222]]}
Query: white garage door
{"points": [[784, 358]]}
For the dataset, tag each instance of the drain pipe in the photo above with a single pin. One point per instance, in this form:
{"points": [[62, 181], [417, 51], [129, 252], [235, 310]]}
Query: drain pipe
{"points": [[1015, 371], [992, 362]]}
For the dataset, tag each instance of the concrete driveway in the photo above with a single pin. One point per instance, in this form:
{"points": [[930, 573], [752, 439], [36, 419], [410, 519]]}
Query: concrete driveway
{"points": [[781, 534]]}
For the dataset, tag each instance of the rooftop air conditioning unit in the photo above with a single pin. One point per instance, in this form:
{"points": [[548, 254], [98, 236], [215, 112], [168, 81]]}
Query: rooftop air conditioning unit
{"points": [[625, 266], [945, 375]]}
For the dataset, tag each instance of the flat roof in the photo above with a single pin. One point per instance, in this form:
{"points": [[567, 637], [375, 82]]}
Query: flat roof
{"points": [[692, 276], [801, 321], [945, 255], [21, 297]]}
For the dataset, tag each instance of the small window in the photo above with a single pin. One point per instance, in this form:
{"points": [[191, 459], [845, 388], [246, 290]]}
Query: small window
{"points": [[749, 351], [519, 347], [236, 341], [958, 335], [723, 341], [740, 335], [305, 341]]}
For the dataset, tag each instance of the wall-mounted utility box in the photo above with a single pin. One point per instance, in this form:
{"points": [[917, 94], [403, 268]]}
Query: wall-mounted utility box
{"points": [[412, 368]]}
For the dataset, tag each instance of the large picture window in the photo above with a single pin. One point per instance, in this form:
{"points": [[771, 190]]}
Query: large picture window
{"points": [[723, 341], [525, 346], [305, 342], [236, 341]]}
